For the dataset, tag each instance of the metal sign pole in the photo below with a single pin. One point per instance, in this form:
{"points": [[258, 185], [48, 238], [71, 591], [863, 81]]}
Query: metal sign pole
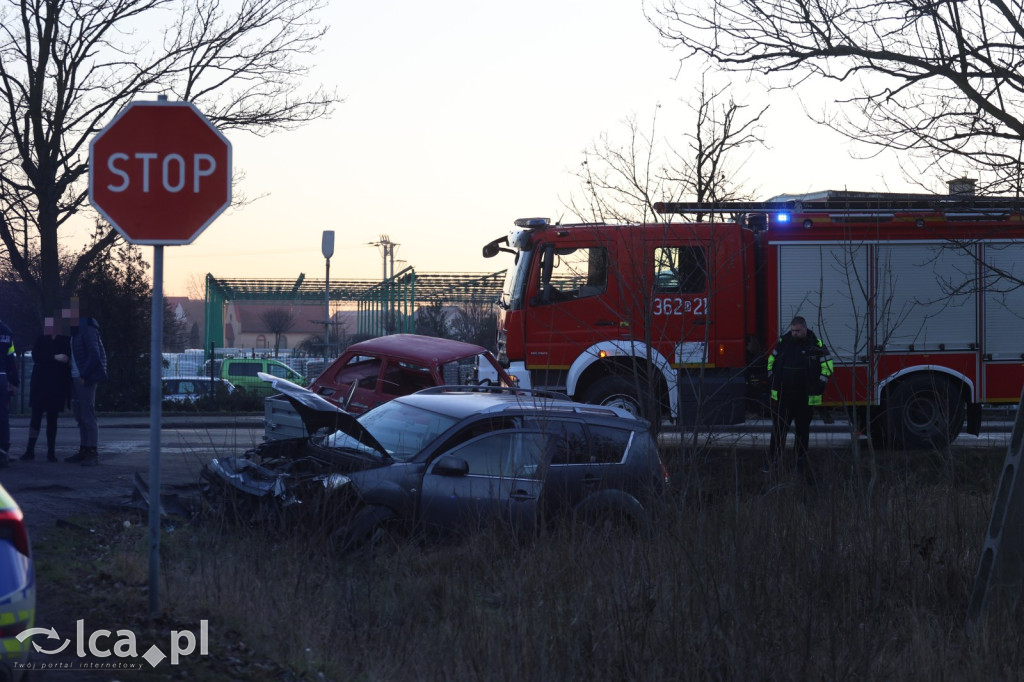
{"points": [[155, 396]]}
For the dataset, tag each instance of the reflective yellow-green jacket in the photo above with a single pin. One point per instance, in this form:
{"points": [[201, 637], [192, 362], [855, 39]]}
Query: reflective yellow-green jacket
{"points": [[812, 358]]}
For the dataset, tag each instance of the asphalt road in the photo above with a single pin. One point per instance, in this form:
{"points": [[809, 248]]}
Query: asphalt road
{"points": [[50, 492]]}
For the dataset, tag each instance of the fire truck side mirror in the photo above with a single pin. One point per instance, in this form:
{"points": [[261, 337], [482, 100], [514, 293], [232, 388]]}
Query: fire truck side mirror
{"points": [[491, 250]]}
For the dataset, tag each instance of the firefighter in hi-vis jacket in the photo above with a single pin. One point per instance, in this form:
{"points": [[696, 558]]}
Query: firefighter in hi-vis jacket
{"points": [[798, 370]]}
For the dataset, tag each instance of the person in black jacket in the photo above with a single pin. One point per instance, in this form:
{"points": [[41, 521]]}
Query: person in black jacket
{"points": [[8, 382], [50, 386], [798, 369], [88, 369]]}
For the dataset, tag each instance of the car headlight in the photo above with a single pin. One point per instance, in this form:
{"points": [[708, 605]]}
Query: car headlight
{"points": [[335, 481]]}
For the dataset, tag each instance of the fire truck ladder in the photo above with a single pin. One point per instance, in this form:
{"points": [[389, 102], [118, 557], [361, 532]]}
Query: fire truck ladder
{"points": [[872, 204]]}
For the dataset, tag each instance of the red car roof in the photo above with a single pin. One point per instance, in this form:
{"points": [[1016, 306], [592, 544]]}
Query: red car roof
{"points": [[422, 349]]}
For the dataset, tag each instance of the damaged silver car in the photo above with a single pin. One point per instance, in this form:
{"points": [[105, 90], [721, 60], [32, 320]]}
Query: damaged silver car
{"points": [[447, 461]]}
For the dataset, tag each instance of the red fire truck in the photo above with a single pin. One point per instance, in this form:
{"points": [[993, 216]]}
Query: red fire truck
{"points": [[919, 298]]}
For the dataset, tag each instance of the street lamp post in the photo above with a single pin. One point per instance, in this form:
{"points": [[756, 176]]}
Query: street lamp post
{"points": [[327, 247]]}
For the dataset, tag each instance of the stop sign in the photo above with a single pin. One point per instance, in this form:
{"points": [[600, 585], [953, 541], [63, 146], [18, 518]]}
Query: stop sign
{"points": [[160, 172]]}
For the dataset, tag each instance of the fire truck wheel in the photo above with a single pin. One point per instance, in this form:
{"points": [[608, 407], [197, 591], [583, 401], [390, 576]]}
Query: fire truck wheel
{"points": [[618, 392], [925, 411]]}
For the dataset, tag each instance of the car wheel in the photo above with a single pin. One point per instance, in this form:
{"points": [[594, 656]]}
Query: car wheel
{"points": [[373, 531], [609, 521]]}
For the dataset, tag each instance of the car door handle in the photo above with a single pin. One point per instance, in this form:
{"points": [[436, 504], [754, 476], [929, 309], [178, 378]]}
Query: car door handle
{"points": [[606, 323], [522, 495], [591, 479]]}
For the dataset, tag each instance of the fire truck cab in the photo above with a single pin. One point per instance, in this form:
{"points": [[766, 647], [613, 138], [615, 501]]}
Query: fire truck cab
{"points": [[613, 314], [918, 298]]}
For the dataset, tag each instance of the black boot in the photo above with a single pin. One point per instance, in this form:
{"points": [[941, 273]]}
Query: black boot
{"points": [[51, 452], [30, 450], [90, 457], [77, 457]]}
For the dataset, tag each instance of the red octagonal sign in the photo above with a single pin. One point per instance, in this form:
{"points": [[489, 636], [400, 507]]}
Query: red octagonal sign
{"points": [[160, 172]]}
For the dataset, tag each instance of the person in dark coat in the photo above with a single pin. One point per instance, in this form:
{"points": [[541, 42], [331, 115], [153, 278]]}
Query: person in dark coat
{"points": [[798, 369], [88, 370], [50, 385], [8, 382]]}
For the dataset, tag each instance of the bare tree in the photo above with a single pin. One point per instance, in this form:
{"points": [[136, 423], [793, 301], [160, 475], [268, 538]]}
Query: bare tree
{"points": [[176, 331], [67, 67], [432, 319], [706, 168], [278, 322], [474, 323], [944, 79], [621, 181]]}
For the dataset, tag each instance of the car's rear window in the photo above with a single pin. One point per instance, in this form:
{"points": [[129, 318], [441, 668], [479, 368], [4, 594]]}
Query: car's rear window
{"points": [[608, 444], [404, 430], [568, 443], [361, 369]]}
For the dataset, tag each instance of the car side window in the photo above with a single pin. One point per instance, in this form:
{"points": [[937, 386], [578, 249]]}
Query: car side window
{"points": [[478, 428], [243, 369], [186, 387], [568, 443], [504, 454], [609, 444]]}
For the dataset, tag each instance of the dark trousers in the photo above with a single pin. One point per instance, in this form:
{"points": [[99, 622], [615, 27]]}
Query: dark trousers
{"points": [[84, 407], [51, 424], [790, 408]]}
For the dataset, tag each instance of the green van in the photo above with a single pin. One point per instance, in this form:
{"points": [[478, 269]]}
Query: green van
{"points": [[242, 373]]}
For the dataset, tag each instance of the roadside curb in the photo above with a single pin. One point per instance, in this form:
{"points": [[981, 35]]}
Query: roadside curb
{"points": [[172, 421]]}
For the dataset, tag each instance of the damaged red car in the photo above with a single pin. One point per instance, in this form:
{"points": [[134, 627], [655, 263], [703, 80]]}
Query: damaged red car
{"points": [[373, 372]]}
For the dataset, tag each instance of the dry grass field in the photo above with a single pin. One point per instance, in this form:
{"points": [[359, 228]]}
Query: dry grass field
{"points": [[866, 574]]}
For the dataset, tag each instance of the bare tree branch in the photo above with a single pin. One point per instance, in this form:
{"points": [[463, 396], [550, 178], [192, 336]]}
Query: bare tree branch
{"points": [[942, 79], [621, 181], [68, 66]]}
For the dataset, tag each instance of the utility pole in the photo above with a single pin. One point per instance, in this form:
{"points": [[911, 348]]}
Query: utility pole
{"points": [[387, 252]]}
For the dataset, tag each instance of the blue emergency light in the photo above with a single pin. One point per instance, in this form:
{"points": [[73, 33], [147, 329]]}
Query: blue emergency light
{"points": [[532, 222], [782, 218]]}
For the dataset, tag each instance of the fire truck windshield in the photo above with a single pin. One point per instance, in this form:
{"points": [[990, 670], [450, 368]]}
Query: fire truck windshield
{"points": [[514, 289]]}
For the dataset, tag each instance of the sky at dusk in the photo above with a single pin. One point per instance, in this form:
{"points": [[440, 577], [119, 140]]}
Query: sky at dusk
{"points": [[461, 116]]}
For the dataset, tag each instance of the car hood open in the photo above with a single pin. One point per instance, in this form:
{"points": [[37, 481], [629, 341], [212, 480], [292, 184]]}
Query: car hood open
{"points": [[317, 413]]}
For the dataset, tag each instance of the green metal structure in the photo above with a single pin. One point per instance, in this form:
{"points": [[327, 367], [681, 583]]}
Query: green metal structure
{"points": [[384, 307]]}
